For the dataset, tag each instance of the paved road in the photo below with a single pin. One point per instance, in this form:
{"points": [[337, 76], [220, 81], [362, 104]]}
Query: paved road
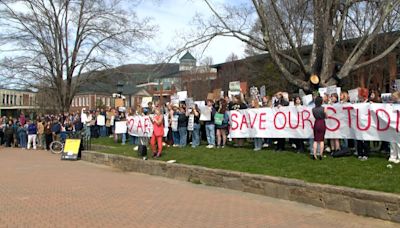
{"points": [[39, 190]]}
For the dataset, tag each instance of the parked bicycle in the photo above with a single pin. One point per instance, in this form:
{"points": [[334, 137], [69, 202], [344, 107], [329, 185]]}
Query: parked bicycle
{"points": [[57, 146]]}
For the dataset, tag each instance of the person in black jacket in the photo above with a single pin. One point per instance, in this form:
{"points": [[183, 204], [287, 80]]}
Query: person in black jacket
{"points": [[182, 126], [9, 133]]}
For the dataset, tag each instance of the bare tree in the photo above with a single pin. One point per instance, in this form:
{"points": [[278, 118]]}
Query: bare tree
{"points": [[207, 61], [232, 57], [284, 28], [53, 42]]}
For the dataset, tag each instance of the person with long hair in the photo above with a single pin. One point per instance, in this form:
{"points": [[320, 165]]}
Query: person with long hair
{"points": [[158, 133], [195, 111], [222, 127], [258, 142], [299, 143], [319, 114]]}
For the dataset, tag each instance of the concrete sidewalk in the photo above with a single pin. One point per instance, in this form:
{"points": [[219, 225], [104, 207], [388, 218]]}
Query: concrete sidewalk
{"points": [[39, 190]]}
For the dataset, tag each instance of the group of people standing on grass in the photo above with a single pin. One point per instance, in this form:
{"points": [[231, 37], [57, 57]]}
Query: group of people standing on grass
{"points": [[44, 129]]}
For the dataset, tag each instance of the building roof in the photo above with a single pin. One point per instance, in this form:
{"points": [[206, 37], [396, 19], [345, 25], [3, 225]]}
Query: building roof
{"points": [[131, 75], [187, 56]]}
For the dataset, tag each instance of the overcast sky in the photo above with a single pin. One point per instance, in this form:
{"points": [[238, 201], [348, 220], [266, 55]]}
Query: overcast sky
{"points": [[174, 16]]}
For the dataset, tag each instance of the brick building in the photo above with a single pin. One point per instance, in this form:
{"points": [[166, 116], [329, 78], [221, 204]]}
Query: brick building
{"points": [[13, 102]]}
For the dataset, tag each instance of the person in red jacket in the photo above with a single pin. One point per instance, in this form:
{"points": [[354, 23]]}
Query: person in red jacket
{"points": [[158, 133]]}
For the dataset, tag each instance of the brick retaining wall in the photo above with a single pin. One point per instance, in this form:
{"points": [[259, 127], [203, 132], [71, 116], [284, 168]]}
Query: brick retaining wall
{"points": [[360, 202]]}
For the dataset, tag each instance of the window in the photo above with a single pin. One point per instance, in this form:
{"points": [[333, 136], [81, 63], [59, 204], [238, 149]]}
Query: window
{"points": [[8, 99], [108, 101], [4, 99], [20, 100]]}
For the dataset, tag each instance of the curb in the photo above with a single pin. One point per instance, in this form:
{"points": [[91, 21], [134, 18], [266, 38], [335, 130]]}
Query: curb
{"points": [[375, 204]]}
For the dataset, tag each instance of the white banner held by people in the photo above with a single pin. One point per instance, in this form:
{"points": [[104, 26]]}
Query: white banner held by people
{"points": [[140, 126], [365, 121]]}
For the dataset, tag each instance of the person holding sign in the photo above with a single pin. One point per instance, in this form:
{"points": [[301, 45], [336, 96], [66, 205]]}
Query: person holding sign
{"points": [[221, 120], [158, 133], [210, 127], [196, 126], [319, 114]]}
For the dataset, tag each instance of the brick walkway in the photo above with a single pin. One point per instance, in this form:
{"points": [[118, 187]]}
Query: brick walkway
{"points": [[39, 190]]}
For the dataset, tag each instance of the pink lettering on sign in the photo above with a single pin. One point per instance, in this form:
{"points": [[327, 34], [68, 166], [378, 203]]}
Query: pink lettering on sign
{"points": [[244, 121], [290, 120], [378, 125], [262, 121], [337, 126], [305, 116], [348, 109], [358, 117], [234, 123], [284, 118]]}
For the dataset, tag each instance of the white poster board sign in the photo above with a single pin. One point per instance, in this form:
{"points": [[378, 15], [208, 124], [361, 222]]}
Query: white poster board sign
{"points": [[120, 127], [307, 99], [200, 104], [145, 101], [174, 123], [234, 86], [353, 95], [191, 122], [101, 120], [205, 114], [182, 95]]}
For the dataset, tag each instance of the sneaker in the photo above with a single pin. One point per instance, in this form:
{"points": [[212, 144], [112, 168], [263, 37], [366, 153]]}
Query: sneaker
{"points": [[135, 148], [257, 149], [210, 146], [294, 146], [392, 160], [175, 145], [218, 147], [328, 149], [265, 145], [222, 146], [360, 157], [397, 161], [364, 158]]}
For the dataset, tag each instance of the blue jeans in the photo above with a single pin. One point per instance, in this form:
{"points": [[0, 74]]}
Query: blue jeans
{"points": [[196, 135], [175, 137], [103, 131], [134, 140], [182, 136], [210, 132], [123, 138], [23, 140], [258, 142]]}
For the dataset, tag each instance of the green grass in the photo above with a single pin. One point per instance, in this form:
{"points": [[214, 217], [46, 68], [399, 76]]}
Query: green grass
{"points": [[348, 171]]}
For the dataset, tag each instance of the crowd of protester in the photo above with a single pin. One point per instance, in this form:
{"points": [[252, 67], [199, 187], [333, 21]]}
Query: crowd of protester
{"points": [[41, 131]]}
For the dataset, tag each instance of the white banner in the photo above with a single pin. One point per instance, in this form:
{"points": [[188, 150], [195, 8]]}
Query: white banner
{"points": [[372, 122], [120, 127], [140, 126]]}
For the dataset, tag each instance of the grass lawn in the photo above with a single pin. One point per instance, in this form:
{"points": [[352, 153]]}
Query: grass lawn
{"points": [[348, 171]]}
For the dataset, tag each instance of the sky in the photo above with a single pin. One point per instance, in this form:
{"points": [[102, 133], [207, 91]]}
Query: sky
{"points": [[175, 16]]}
